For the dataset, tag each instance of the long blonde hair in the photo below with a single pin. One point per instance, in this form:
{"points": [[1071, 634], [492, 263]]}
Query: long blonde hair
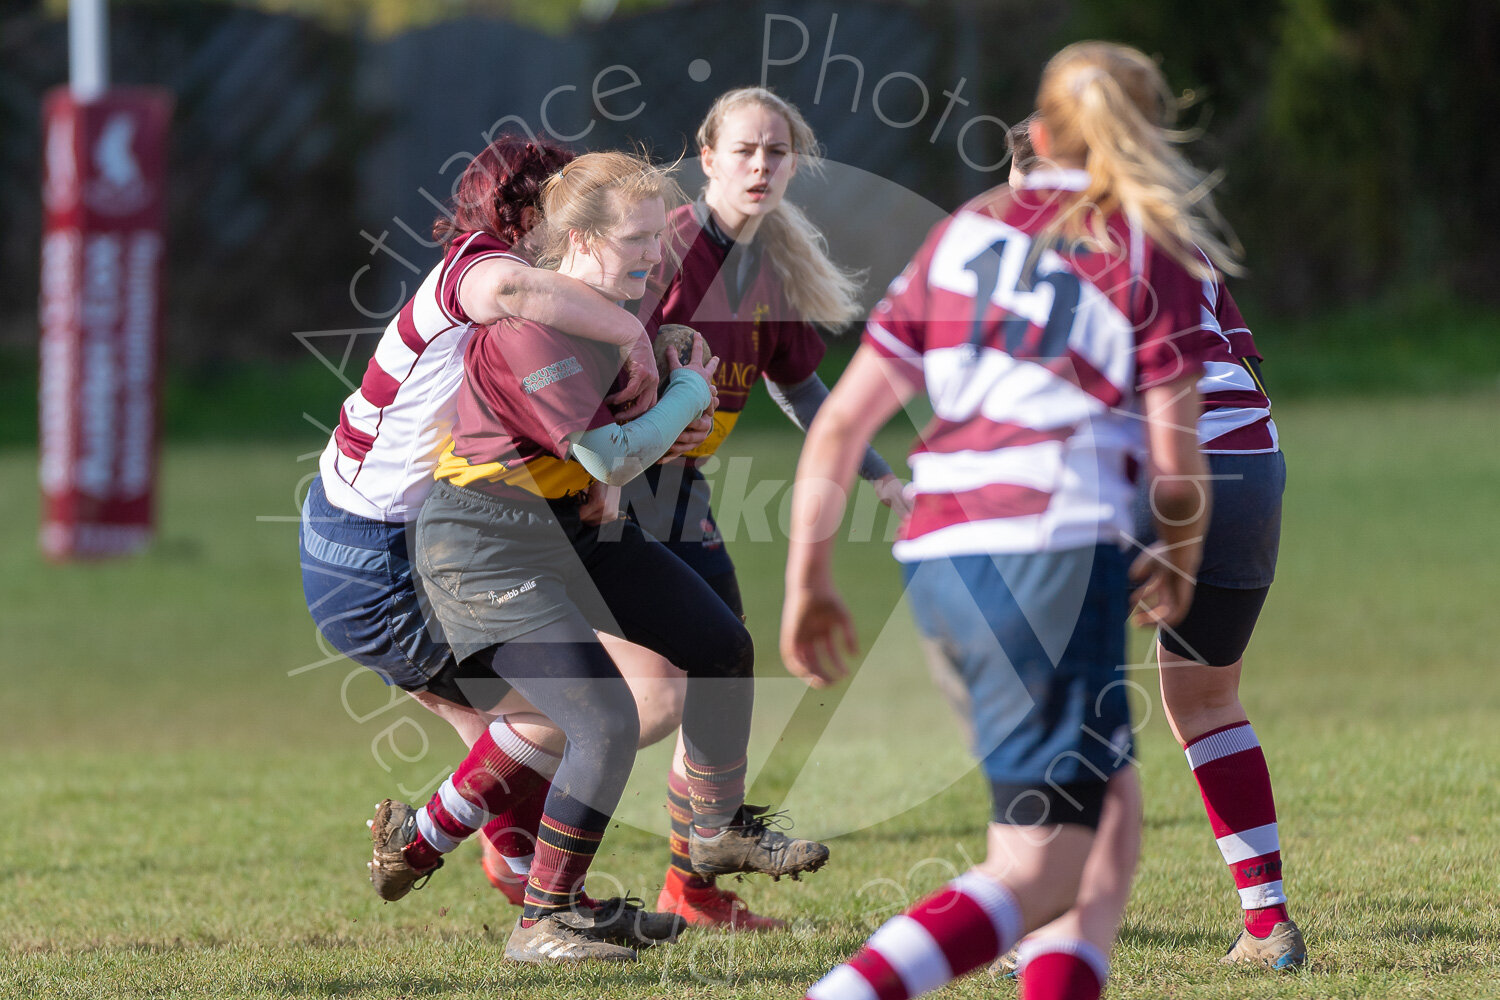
{"points": [[817, 288], [1109, 106], [591, 195]]}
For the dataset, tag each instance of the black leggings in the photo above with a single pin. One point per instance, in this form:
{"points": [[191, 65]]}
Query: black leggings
{"points": [[1218, 624], [637, 590]]}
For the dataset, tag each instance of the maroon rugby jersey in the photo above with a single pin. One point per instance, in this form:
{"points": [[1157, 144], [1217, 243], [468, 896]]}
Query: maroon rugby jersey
{"points": [[526, 387], [1236, 410], [380, 459], [754, 335], [1034, 363]]}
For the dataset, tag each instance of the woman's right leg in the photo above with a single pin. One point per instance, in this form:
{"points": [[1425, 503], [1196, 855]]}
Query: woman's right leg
{"points": [[561, 669], [1202, 706], [1103, 891], [1037, 640], [1201, 662]]}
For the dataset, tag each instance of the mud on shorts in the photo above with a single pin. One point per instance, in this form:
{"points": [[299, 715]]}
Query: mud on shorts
{"points": [[1239, 557], [362, 595], [1038, 643]]}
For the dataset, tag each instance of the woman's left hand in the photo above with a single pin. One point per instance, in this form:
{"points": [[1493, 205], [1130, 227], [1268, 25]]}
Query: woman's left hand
{"points": [[1165, 575], [816, 633], [892, 493]]}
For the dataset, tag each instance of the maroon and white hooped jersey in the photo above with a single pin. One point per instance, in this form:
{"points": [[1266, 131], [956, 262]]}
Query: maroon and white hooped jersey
{"points": [[1034, 361], [1236, 415], [380, 461]]}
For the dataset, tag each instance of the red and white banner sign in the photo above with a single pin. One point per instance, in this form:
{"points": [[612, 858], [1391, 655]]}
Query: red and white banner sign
{"points": [[102, 252]]}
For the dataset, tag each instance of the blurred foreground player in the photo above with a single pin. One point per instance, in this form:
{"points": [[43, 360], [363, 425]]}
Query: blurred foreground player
{"points": [[1046, 325]]}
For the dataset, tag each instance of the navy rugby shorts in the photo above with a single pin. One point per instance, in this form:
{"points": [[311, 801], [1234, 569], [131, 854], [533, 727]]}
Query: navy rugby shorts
{"points": [[1038, 641], [358, 582]]}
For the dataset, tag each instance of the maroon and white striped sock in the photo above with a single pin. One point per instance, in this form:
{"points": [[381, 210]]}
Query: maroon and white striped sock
{"points": [[513, 831], [501, 768], [1061, 969], [1231, 772], [964, 926]]}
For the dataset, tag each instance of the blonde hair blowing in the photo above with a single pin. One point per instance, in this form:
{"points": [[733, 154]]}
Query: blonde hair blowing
{"points": [[818, 289], [591, 195], [1109, 105]]}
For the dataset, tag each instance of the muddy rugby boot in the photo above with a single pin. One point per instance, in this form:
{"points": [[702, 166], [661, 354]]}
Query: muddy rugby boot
{"points": [[749, 845], [625, 920], [1280, 949], [392, 829]]}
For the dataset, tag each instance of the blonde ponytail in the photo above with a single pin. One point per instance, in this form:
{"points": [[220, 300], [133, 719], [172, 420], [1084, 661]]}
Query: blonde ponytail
{"points": [[1109, 106], [817, 289]]}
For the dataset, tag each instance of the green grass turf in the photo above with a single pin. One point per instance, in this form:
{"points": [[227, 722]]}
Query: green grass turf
{"points": [[186, 781]]}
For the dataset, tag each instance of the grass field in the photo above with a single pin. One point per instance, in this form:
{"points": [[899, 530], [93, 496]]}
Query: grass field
{"points": [[186, 774]]}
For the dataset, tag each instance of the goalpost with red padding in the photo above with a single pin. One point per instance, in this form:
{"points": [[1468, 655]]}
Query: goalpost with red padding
{"points": [[102, 254]]}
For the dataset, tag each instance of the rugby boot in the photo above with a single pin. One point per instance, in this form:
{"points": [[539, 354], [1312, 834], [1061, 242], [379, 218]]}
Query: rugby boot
{"points": [[511, 885], [748, 844], [564, 936], [1280, 949], [711, 906], [625, 920], [392, 830]]}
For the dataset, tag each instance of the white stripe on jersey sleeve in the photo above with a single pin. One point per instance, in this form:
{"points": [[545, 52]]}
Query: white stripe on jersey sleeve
{"points": [[458, 269], [441, 273], [888, 340]]}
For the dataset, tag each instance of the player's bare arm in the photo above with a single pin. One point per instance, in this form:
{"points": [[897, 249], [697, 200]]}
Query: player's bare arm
{"points": [[1180, 502], [816, 628]]}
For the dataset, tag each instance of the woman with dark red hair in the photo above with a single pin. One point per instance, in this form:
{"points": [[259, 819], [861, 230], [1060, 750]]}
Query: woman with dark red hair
{"points": [[378, 466]]}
